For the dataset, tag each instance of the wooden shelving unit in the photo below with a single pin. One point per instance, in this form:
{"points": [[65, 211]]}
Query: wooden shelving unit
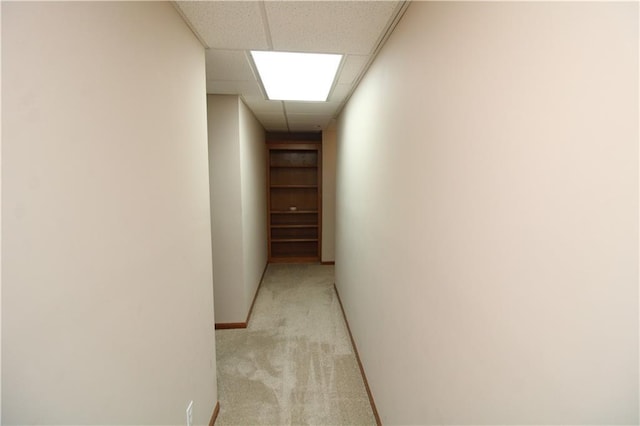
{"points": [[294, 201]]}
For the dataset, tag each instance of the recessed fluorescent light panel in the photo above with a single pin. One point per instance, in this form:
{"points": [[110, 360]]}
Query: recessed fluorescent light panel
{"points": [[290, 76]]}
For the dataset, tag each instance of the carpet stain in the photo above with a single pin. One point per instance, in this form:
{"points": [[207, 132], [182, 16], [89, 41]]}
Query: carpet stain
{"points": [[294, 364]]}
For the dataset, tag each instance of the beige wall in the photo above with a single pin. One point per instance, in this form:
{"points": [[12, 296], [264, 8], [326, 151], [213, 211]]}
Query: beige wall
{"points": [[107, 301], [328, 193], [226, 208], [487, 222], [237, 157], [0, 227], [253, 167]]}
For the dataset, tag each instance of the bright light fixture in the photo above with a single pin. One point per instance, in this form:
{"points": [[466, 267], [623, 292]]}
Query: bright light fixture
{"points": [[290, 76]]}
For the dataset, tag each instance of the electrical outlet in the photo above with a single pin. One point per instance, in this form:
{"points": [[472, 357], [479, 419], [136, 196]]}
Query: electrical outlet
{"points": [[190, 414]]}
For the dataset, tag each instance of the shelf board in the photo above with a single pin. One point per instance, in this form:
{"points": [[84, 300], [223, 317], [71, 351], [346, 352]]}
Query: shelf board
{"points": [[294, 186], [292, 166], [293, 211], [293, 226], [294, 240]]}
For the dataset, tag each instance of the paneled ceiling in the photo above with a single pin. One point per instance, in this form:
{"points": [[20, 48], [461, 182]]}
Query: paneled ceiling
{"points": [[230, 29]]}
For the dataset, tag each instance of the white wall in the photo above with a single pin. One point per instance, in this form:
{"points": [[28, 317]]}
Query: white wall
{"points": [[237, 157], [107, 284], [329, 137], [487, 222], [253, 168]]}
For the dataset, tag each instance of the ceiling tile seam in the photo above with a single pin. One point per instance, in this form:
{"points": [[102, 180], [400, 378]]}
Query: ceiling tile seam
{"points": [[391, 25], [256, 74], [189, 24], [286, 119], [265, 25], [393, 22], [225, 49], [244, 101], [343, 61]]}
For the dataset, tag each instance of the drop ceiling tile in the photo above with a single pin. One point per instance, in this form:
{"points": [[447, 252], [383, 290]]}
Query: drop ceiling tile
{"points": [[247, 88], [259, 105], [275, 127], [273, 122], [325, 108], [296, 127], [227, 65], [340, 93], [308, 118], [352, 27], [268, 117], [271, 125], [269, 120], [227, 24], [353, 66]]}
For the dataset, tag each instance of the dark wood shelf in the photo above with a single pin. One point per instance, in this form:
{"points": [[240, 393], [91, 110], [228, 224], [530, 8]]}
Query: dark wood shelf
{"points": [[302, 166], [294, 211], [293, 186], [294, 240], [293, 226], [294, 180]]}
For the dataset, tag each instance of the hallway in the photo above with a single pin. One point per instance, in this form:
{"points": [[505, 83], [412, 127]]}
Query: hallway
{"points": [[294, 364], [477, 187]]}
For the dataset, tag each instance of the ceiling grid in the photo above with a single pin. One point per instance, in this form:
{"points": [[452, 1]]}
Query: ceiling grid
{"points": [[265, 22], [230, 29]]}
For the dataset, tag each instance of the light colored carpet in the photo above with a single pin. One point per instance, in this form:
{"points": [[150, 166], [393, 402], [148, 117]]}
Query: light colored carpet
{"points": [[294, 364]]}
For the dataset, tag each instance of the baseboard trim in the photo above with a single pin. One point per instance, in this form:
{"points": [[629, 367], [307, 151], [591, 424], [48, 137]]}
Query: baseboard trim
{"points": [[230, 325], [331, 262], [255, 296], [355, 350], [214, 416]]}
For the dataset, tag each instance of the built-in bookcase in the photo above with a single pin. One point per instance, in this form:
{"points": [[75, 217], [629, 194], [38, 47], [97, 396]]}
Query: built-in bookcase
{"points": [[294, 201]]}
